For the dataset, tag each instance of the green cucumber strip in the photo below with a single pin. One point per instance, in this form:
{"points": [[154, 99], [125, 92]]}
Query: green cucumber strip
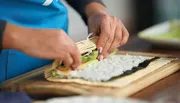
{"points": [[93, 55], [87, 63], [53, 73], [84, 59]]}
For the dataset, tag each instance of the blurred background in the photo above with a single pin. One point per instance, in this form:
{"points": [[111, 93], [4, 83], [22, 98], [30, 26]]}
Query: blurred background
{"points": [[135, 14]]}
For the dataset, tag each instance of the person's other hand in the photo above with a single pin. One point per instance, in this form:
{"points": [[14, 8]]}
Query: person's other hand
{"points": [[111, 31], [42, 43]]}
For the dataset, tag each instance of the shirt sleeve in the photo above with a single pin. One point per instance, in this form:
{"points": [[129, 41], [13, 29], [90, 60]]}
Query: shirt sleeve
{"points": [[2, 28], [14, 97], [79, 6]]}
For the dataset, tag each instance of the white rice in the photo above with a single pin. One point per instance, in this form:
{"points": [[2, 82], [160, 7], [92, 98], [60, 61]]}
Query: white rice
{"points": [[110, 67]]}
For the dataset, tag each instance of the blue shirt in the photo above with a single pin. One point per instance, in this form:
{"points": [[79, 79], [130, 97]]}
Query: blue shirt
{"points": [[32, 14]]}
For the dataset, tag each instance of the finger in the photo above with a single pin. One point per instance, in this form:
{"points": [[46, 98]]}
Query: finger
{"points": [[76, 58], [116, 30], [113, 24], [67, 60], [117, 39], [125, 35], [107, 30], [109, 43], [104, 32], [107, 46]]}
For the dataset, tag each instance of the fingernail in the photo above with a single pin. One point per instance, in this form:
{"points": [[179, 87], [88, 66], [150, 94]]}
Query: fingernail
{"points": [[74, 67], [100, 58], [100, 49]]}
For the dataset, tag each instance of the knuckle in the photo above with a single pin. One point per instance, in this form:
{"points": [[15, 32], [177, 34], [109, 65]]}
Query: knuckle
{"points": [[104, 18], [107, 35], [118, 37], [111, 37], [110, 50], [123, 43], [118, 21], [103, 53], [127, 34]]}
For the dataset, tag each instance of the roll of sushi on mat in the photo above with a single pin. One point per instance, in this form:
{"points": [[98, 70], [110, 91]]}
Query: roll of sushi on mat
{"points": [[89, 54]]}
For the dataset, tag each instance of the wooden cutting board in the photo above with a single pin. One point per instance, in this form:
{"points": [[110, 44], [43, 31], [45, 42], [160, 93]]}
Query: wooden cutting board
{"points": [[34, 82]]}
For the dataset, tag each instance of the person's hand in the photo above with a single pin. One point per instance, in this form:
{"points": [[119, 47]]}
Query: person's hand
{"points": [[42, 43], [111, 31]]}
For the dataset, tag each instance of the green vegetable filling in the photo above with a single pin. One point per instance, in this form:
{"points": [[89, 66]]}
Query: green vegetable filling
{"points": [[92, 56], [53, 72], [89, 57]]}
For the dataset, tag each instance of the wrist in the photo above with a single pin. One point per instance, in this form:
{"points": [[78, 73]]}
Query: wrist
{"points": [[95, 8], [10, 38]]}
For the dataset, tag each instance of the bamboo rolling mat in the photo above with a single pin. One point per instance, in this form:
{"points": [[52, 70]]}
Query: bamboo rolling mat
{"points": [[34, 82]]}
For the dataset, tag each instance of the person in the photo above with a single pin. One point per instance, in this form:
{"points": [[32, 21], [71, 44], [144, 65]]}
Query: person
{"points": [[35, 32]]}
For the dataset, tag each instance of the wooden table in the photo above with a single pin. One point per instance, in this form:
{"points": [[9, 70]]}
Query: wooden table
{"points": [[163, 88]]}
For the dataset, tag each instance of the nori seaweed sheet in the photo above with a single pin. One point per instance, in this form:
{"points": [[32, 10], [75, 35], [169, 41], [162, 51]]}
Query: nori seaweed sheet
{"points": [[142, 65]]}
